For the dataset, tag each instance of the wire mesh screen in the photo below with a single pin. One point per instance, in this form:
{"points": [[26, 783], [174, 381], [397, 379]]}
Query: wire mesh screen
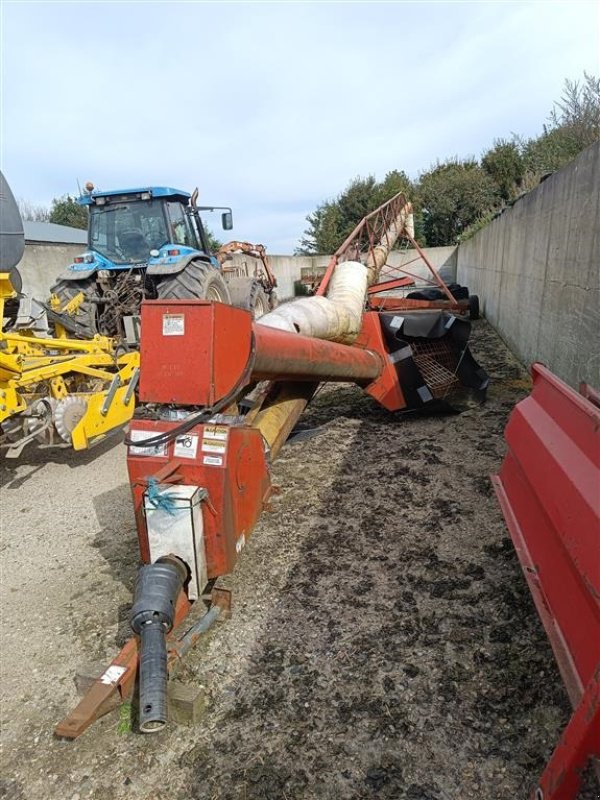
{"points": [[437, 361]]}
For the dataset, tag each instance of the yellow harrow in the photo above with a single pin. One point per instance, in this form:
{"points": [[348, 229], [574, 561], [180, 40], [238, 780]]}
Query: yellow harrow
{"points": [[61, 392]]}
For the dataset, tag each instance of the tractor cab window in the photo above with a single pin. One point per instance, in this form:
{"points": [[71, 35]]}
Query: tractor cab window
{"points": [[180, 225], [126, 232]]}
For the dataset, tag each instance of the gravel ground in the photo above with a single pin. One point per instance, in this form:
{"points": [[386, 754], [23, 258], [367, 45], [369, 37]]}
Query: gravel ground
{"points": [[383, 641]]}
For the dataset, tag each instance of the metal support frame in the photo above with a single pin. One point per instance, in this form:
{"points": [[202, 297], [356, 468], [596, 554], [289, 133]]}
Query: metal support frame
{"points": [[366, 238]]}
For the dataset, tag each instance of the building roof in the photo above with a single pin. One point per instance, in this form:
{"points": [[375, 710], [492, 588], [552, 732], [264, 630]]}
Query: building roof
{"points": [[50, 232]]}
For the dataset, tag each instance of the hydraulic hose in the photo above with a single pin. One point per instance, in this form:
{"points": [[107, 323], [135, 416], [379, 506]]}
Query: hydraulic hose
{"points": [[157, 588]]}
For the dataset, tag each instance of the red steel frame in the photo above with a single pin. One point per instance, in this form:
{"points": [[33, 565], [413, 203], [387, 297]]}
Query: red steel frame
{"points": [[549, 491], [371, 231]]}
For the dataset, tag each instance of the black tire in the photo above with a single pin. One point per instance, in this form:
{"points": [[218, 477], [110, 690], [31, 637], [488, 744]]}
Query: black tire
{"points": [[198, 280], [85, 320], [248, 293], [474, 307], [426, 294]]}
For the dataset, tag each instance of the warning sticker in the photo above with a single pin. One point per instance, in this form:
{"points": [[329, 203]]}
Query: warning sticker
{"points": [[186, 446], [140, 436], [210, 446], [214, 439], [173, 324], [216, 432], [213, 461]]}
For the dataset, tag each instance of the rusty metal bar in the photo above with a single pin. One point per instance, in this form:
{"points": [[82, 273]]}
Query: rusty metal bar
{"points": [[118, 677], [432, 269], [386, 286], [349, 247]]}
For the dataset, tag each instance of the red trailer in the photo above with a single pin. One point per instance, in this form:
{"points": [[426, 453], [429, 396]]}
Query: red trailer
{"points": [[549, 491]]}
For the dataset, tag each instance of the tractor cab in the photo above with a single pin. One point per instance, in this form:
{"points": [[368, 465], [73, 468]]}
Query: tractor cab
{"points": [[142, 244], [139, 227]]}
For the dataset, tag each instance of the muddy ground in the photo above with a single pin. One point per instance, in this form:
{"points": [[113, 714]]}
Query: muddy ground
{"points": [[383, 642]]}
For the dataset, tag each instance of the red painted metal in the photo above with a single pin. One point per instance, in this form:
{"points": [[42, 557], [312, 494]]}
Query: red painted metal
{"points": [[369, 232], [362, 242], [387, 286], [192, 352], [280, 354], [218, 348], [386, 387], [230, 463], [409, 304], [578, 742], [549, 491]]}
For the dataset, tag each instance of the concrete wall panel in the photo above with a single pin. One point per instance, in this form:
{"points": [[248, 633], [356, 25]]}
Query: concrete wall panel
{"points": [[536, 269]]}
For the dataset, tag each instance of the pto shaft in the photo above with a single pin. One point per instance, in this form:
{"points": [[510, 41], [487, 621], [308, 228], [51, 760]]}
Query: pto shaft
{"points": [[158, 586]]}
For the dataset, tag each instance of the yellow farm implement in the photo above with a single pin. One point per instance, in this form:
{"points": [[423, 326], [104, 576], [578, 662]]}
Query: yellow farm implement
{"points": [[61, 392]]}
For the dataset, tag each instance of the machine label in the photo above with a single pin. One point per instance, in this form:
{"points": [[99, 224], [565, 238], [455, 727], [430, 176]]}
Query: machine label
{"points": [[213, 461], [173, 324], [220, 432], [210, 446], [112, 675], [140, 436], [186, 446], [214, 439]]}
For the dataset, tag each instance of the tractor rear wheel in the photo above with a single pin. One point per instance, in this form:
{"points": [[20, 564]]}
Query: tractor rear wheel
{"points": [[84, 322], [198, 280], [249, 294]]}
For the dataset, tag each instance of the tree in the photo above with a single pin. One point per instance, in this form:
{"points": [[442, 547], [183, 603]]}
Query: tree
{"points": [[32, 213], [394, 182], [460, 194], [454, 195], [334, 220], [579, 112], [213, 242], [66, 211], [504, 164], [323, 233], [573, 125]]}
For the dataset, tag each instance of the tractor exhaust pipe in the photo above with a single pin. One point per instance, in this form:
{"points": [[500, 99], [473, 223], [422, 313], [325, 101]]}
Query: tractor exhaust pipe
{"points": [[151, 617]]}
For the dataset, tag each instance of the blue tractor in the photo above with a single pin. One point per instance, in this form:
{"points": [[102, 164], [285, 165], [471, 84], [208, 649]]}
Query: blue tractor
{"points": [[142, 243]]}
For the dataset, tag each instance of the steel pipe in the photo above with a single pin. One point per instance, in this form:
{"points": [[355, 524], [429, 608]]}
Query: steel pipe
{"points": [[280, 354]]}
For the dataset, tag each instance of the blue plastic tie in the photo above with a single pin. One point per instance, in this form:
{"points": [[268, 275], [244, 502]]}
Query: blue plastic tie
{"points": [[158, 497]]}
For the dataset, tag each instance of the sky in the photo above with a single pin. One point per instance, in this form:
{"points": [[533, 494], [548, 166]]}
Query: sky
{"points": [[273, 107]]}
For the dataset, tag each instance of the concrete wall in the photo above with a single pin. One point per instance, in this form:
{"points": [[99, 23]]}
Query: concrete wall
{"points": [[287, 268], [42, 263], [536, 269], [40, 266]]}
